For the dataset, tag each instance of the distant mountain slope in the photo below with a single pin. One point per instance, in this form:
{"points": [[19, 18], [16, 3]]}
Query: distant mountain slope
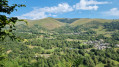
{"points": [[53, 23], [67, 20], [48, 23], [86, 20]]}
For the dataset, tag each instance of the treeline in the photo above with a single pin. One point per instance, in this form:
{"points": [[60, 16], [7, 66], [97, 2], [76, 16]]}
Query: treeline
{"points": [[114, 25], [67, 20], [95, 57]]}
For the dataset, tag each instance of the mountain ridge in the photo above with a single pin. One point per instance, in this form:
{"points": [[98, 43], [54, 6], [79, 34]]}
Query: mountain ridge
{"points": [[53, 23]]}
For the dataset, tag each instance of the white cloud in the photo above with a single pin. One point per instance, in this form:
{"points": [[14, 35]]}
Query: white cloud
{"points": [[88, 5], [112, 12], [39, 13]]}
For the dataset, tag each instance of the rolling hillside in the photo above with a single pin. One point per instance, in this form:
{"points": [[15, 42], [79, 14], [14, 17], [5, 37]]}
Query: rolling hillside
{"points": [[73, 24], [48, 23], [67, 20], [48, 40], [86, 20]]}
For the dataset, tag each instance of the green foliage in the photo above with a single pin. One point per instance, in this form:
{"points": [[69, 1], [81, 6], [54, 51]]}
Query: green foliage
{"points": [[7, 25], [67, 20], [5, 8], [2, 57], [50, 43], [114, 25], [4, 21]]}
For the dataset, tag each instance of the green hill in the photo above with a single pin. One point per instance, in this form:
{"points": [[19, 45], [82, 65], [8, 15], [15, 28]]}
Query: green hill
{"points": [[86, 20], [100, 26], [48, 23], [69, 25], [89, 43], [67, 20]]}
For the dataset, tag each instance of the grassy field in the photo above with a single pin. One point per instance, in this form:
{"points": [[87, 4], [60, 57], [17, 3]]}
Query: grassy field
{"points": [[100, 65], [86, 20], [48, 23], [103, 31]]}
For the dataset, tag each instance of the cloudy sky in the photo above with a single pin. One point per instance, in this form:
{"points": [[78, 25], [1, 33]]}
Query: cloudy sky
{"points": [[38, 9]]}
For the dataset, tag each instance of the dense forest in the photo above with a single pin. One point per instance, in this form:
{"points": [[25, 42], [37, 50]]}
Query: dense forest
{"points": [[66, 46], [57, 42]]}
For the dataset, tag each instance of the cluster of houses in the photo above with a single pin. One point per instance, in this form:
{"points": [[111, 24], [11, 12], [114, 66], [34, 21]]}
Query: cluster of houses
{"points": [[98, 44]]}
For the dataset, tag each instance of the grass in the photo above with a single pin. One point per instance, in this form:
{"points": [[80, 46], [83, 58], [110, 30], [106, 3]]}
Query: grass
{"points": [[51, 50], [82, 41], [86, 20], [62, 53], [33, 61], [48, 23], [116, 62], [9, 51], [31, 47], [75, 40], [100, 30], [45, 55], [103, 31], [82, 44], [89, 49], [100, 65], [116, 48]]}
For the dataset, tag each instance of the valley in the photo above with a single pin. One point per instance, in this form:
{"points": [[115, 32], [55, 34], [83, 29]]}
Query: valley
{"points": [[64, 42]]}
